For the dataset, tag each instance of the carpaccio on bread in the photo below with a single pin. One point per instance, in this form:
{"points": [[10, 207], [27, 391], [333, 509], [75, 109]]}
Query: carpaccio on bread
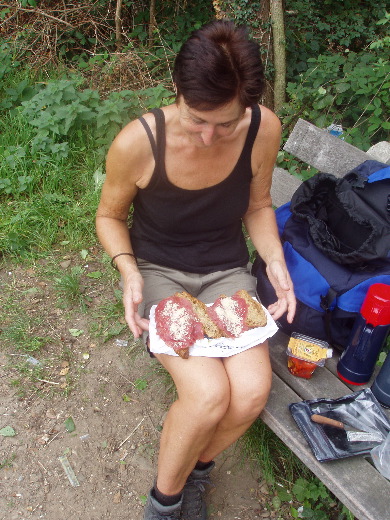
{"points": [[237, 314], [177, 324], [182, 319]]}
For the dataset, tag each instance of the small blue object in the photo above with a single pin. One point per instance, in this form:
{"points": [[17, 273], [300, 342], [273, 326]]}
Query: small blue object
{"points": [[335, 130]]}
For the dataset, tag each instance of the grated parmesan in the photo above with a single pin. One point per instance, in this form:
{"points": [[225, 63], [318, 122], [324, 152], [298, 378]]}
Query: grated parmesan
{"points": [[178, 320], [228, 311]]}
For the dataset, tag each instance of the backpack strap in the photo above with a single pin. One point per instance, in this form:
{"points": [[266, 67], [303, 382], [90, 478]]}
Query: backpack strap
{"points": [[326, 306]]}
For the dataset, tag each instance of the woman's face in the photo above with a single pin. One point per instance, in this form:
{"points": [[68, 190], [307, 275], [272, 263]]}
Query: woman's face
{"points": [[205, 127]]}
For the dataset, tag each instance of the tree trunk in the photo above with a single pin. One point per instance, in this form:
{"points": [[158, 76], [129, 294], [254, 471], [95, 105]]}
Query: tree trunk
{"points": [[279, 44], [118, 23], [152, 21], [263, 35]]}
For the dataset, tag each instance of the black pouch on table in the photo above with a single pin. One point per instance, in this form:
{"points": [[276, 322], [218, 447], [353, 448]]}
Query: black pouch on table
{"points": [[359, 411]]}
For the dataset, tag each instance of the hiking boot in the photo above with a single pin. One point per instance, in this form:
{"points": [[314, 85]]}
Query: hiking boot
{"points": [[155, 511], [194, 506]]}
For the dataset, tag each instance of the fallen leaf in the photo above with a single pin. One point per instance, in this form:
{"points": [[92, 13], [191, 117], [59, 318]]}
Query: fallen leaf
{"points": [[64, 371], [76, 332], [8, 431], [65, 264], [117, 498], [95, 274], [70, 425]]}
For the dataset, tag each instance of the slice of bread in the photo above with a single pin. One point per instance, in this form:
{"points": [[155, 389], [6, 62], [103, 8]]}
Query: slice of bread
{"points": [[183, 352], [211, 329], [256, 316]]}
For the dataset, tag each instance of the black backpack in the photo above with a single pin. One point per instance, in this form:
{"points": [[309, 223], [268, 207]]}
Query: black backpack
{"points": [[336, 241]]}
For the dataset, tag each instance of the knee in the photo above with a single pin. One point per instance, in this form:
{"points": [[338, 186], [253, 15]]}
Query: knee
{"points": [[211, 401], [251, 401]]}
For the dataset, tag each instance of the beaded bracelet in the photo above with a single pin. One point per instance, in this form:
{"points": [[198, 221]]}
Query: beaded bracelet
{"points": [[113, 264]]}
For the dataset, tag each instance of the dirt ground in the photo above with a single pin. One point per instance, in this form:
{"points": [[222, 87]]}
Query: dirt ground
{"points": [[93, 405]]}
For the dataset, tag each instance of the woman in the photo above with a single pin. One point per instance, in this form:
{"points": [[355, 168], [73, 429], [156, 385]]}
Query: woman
{"points": [[194, 171]]}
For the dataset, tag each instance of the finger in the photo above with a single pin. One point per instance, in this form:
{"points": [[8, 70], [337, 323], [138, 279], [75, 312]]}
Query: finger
{"points": [[278, 309], [142, 323], [292, 307], [133, 326]]}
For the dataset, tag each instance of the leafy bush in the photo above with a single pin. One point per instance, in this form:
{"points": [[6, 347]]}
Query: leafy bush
{"points": [[331, 26], [350, 89], [61, 109]]}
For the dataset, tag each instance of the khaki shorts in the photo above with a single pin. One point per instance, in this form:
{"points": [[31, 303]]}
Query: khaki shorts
{"points": [[161, 282]]}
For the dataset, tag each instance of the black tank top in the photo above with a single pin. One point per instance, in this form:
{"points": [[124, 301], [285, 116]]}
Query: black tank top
{"points": [[197, 231]]}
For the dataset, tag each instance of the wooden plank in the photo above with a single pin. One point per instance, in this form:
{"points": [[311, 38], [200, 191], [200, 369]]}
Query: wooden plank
{"points": [[283, 186], [322, 150], [354, 481]]}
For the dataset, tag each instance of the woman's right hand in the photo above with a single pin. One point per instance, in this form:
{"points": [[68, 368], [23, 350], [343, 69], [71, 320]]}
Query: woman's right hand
{"points": [[132, 297]]}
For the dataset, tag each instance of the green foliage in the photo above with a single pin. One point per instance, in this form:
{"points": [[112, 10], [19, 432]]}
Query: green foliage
{"points": [[314, 28], [8, 63], [385, 41], [351, 89], [314, 498], [62, 108], [244, 12]]}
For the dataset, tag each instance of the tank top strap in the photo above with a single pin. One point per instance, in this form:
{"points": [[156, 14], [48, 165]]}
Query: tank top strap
{"points": [[158, 144], [150, 136], [252, 131]]}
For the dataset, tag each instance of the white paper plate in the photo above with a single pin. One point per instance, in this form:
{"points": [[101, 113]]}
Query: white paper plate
{"points": [[221, 347]]}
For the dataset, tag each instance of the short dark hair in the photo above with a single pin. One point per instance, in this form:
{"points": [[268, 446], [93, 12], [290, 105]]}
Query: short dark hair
{"points": [[218, 63]]}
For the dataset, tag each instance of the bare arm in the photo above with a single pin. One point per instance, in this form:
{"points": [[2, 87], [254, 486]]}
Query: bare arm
{"points": [[125, 159], [260, 219]]}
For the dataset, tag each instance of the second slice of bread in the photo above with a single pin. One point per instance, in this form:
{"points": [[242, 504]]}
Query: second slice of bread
{"points": [[256, 316], [211, 329]]}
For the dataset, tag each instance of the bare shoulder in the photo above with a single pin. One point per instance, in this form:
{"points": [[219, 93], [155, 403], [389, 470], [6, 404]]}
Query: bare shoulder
{"points": [[267, 142], [270, 125], [130, 153]]}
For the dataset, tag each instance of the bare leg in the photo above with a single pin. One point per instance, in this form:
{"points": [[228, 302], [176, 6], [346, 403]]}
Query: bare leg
{"points": [[250, 377], [218, 400], [203, 398]]}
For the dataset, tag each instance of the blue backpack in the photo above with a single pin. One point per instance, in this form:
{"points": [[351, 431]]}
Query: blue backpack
{"points": [[336, 241]]}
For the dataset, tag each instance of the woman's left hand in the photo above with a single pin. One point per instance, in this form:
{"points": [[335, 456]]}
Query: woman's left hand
{"points": [[280, 279]]}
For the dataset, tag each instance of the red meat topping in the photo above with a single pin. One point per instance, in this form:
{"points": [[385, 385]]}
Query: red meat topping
{"points": [[177, 324], [230, 315]]}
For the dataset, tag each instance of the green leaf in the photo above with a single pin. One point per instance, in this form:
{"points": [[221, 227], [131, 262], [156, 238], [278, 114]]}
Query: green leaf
{"points": [[300, 489], [76, 332], [276, 502], [70, 425], [83, 254], [141, 384], [342, 87], [95, 274], [8, 431], [284, 495]]}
